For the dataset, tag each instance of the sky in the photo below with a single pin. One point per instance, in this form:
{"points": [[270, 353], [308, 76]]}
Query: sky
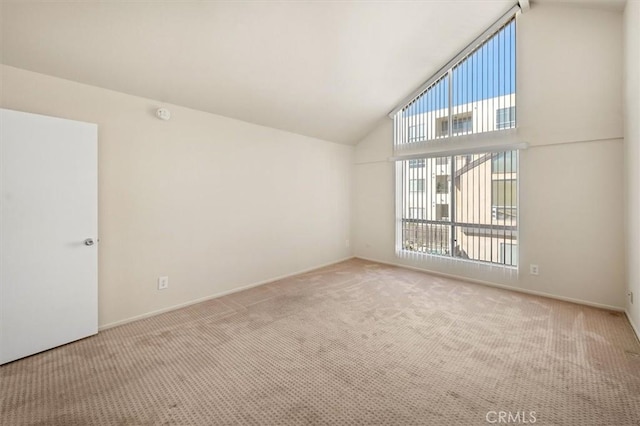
{"points": [[486, 73]]}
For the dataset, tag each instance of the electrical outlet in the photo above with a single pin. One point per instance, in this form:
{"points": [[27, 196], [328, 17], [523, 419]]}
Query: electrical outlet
{"points": [[631, 297], [347, 243], [163, 282], [533, 269]]}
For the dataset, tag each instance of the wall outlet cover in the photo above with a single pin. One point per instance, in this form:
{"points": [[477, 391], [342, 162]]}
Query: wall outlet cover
{"points": [[163, 283], [533, 269]]}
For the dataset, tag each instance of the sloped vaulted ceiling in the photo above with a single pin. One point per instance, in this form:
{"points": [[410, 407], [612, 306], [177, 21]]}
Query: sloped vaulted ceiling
{"points": [[324, 69]]}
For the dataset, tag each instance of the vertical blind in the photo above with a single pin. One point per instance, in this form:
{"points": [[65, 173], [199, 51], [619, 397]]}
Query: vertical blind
{"points": [[462, 206], [460, 200], [476, 95]]}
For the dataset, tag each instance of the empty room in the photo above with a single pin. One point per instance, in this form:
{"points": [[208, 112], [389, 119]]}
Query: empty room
{"points": [[320, 212]]}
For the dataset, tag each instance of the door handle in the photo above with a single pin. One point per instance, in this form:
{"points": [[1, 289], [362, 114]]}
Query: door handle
{"points": [[89, 242]]}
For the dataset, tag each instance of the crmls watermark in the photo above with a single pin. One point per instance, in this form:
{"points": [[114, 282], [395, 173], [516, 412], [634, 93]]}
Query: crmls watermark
{"points": [[506, 417]]}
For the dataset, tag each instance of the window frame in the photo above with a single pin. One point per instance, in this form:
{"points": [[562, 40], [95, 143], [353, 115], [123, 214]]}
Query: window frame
{"points": [[496, 230], [506, 124], [463, 145]]}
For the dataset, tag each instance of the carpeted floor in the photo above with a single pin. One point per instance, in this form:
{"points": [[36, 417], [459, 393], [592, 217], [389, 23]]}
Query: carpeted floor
{"points": [[353, 343]]}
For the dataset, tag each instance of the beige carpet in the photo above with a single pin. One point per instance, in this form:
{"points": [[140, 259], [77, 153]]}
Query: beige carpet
{"points": [[354, 343]]}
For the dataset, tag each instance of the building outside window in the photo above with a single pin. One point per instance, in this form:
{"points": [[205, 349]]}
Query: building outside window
{"points": [[506, 118], [461, 124], [442, 184], [464, 205], [416, 185], [417, 163], [416, 132]]}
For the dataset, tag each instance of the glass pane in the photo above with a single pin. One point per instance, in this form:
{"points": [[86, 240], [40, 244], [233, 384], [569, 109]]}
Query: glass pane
{"points": [[504, 162], [473, 196], [482, 91], [504, 193]]}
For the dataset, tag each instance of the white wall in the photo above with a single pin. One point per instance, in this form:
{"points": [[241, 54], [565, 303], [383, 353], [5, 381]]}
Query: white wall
{"points": [[571, 179], [214, 203], [632, 154]]}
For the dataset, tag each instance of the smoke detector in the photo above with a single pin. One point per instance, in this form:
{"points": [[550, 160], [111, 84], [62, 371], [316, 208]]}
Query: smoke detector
{"points": [[163, 114]]}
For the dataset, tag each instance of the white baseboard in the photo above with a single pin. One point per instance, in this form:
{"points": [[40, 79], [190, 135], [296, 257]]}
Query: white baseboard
{"points": [[633, 325], [503, 286], [215, 295]]}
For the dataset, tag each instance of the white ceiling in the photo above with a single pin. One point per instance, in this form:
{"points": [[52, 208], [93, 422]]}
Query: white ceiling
{"points": [[615, 5], [327, 69]]}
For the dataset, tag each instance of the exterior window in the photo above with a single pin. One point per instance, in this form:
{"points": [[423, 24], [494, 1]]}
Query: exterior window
{"points": [[470, 214], [444, 127], [416, 185], [442, 184], [478, 92], [463, 204], [416, 163], [460, 125], [506, 118], [416, 132]]}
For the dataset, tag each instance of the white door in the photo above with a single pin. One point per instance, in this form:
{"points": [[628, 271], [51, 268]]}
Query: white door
{"points": [[48, 233]]}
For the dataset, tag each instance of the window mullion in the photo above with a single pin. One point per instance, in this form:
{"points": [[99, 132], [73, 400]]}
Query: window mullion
{"points": [[450, 94], [452, 206]]}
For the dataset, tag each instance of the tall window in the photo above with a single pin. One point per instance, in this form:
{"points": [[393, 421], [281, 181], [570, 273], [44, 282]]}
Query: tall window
{"points": [[470, 214], [464, 204], [478, 92]]}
